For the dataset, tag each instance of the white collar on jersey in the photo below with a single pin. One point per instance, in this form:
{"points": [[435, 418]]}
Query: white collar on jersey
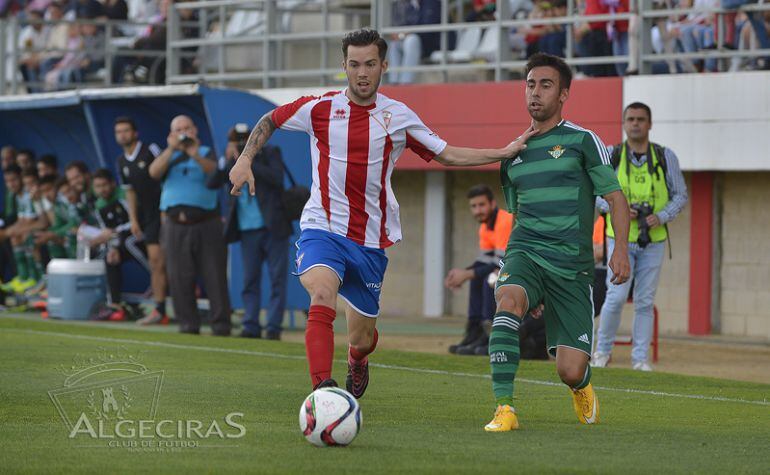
{"points": [[133, 155]]}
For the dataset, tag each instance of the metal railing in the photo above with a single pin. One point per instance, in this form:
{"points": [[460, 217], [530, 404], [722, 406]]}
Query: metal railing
{"points": [[279, 43]]}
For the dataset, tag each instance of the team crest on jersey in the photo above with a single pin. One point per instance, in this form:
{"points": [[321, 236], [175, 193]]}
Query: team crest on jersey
{"points": [[339, 114], [503, 277], [126, 171], [141, 164], [556, 151], [386, 116]]}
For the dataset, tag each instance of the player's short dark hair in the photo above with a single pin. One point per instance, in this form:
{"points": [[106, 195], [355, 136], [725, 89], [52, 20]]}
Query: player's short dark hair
{"points": [[48, 180], [49, 160], [79, 164], [543, 59], [481, 190], [124, 119], [104, 174], [29, 172], [12, 169], [365, 37], [639, 105]]}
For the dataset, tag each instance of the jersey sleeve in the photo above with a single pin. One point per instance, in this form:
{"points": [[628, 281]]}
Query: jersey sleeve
{"points": [[509, 189], [295, 115], [596, 161], [420, 139]]}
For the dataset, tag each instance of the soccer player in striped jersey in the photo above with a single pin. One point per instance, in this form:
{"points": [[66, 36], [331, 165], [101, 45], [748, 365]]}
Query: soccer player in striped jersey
{"points": [[356, 137], [551, 187]]}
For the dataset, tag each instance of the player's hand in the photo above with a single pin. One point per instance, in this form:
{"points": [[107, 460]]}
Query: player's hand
{"points": [[173, 141], [653, 220], [537, 312], [634, 213], [621, 269], [136, 231], [240, 174], [456, 277], [515, 147], [191, 147]]}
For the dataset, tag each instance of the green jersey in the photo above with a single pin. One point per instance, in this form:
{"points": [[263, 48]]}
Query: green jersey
{"points": [[551, 187]]}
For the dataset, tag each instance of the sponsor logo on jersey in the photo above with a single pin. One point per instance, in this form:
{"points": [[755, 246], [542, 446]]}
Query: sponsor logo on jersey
{"points": [[498, 357], [517, 161], [556, 151], [584, 339], [339, 114], [299, 260], [374, 285]]}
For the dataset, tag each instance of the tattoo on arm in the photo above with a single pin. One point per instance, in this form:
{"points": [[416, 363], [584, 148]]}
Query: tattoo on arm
{"points": [[259, 136]]}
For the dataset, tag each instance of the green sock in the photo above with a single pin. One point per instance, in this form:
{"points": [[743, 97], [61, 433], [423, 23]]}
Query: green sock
{"points": [[586, 378], [22, 272], [32, 266], [504, 355]]}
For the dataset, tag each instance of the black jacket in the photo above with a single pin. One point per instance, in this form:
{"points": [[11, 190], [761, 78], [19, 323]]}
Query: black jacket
{"points": [[268, 171]]}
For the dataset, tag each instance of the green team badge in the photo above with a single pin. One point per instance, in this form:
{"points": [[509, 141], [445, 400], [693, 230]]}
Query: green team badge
{"points": [[556, 151]]}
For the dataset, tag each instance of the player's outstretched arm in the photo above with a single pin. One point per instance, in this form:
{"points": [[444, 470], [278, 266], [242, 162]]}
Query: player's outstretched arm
{"points": [[621, 269], [241, 171], [469, 157]]}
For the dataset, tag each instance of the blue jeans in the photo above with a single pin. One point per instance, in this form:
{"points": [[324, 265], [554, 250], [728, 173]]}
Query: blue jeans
{"points": [[645, 271], [258, 246], [620, 48]]}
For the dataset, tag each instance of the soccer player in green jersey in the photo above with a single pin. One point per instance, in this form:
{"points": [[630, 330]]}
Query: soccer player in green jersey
{"points": [[551, 187]]}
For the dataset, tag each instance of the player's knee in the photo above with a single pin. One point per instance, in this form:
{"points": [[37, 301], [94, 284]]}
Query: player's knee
{"points": [[361, 343], [572, 374], [322, 295], [507, 301]]}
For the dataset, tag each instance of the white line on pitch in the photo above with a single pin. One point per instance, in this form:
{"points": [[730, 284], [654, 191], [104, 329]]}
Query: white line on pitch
{"points": [[179, 346]]}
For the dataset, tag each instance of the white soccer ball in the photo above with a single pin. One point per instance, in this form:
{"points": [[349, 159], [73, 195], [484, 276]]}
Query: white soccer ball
{"points": [[330, 416]]}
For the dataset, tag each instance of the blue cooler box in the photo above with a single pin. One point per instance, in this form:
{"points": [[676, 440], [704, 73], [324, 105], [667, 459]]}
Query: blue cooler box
{"points": [[74, 287]]}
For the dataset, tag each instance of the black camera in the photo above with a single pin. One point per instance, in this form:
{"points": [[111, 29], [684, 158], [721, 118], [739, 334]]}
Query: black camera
{"points": [[185, 140], [643, 210]]}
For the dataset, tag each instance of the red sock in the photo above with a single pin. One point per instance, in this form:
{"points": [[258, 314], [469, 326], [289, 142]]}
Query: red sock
{"points": [[319, 342], [358, 355]]}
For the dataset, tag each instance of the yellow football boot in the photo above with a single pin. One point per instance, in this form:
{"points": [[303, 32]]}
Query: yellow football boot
{"points": [[586, 404], [505, 420]]}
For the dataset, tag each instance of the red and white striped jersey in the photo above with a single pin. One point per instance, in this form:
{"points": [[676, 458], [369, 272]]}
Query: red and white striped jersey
{"points": [[354, 150]]}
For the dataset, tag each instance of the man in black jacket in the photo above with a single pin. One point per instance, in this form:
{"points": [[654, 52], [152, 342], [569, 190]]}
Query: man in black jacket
{"points": [[260, 224]]}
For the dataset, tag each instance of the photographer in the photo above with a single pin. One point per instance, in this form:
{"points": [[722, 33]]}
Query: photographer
{"points": [[652, 181], [191, 231], [259, 222]]}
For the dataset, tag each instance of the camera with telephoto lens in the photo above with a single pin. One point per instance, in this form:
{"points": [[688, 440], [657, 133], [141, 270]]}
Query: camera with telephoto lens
{"points": [[239, 134], [643, 210], [185, 140]]}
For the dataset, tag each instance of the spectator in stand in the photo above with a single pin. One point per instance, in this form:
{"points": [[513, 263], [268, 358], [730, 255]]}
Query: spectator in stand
{"points": [[494, 231], [604, 38], [88, 9], [92, 59], [193, 241], [25, 159], [59, 75], [116, 9], [696, 32], [483, 10], [48, 165], [56, 41], [407, 49], [31, 44], [551, 39]]}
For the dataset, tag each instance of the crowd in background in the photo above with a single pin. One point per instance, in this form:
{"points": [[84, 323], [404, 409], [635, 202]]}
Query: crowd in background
{"points": [[54, 56]]}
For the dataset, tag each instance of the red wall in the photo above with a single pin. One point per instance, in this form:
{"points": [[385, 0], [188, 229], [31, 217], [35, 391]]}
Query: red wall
{"points": [[490, 115]]}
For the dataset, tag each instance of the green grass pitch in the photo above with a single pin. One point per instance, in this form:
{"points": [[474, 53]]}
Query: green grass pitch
{"points": [[422, 413]]}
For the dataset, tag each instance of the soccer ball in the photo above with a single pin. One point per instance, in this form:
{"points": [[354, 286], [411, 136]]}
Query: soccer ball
{"points": [[330, 416]]}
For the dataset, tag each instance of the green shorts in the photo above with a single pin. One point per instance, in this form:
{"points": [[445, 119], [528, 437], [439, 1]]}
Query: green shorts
{"points": [[569, 308]]}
